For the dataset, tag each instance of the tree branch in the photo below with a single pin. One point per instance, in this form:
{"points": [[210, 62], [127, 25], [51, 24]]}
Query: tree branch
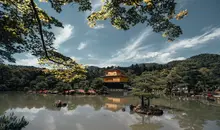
{"points": [[41, 33]]}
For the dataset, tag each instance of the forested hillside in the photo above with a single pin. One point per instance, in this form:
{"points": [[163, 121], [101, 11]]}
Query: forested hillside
{"points": [[198, 73]]}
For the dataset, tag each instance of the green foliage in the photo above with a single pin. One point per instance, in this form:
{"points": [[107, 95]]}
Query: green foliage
{"points": [[68, 71], [41, 85], [26, 89], [126, 14], [146, 84], [27, 28], [97, 83], [83, 84], [5, 73], [86, 89], [84, 5], [61, 86], [197, 74], [11, 122], [19, 26], [173, 78]]}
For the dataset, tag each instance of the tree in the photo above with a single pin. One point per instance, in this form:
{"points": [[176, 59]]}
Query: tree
{"points": [[41, 85], [32, 84], [26, 27], [124, 14], [5, 73], [14, 83], [145, 86], [3, 87], [173, 79], [190, 75], [83, 84], [97, 83], [205, 76], [20, 27], [51, 81], [68, 71], [61, 86], [12, 122]]}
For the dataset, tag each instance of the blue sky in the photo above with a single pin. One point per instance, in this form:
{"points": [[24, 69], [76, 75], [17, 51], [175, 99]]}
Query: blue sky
{"points": [[104, 45]]}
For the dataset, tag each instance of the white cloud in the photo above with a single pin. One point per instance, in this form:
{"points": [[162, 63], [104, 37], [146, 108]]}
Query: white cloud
{"points": [[136, 52], [82, 45], [102, 64], [76, 58], [96, 5], [30, 60], [79, 126], [30, 114], [165, 55], [90, 56], [50, 121], [63, 34], [99, 26], [132, 49]]}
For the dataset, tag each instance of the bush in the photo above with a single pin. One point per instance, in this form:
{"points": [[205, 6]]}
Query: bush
{"points": [[60, 86], [41, 85], [3, 87], [86, 89], [26, 89]]}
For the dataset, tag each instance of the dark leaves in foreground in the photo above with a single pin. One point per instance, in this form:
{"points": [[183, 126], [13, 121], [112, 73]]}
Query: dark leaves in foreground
{"points": [[11, 122]]}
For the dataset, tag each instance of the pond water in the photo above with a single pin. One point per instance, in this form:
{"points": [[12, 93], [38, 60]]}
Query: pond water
{"points": [[104, 113]]}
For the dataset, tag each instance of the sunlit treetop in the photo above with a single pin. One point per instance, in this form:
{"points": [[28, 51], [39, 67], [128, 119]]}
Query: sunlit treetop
{"points": [[68, 71], [83, 5]]}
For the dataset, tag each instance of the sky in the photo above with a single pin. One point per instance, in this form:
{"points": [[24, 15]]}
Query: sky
{"points": [[104, 45]]}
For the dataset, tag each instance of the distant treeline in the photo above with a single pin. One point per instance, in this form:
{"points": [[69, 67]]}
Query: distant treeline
{"points": [[198, 74]]}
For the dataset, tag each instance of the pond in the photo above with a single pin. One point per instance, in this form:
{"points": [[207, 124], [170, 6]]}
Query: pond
{"points": [[104, 113]]}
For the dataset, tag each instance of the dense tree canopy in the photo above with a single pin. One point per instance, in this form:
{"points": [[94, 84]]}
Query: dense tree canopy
{"points": [[193, 75]]}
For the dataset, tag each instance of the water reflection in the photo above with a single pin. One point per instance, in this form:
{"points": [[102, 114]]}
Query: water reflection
{"points": [[104, 113]]}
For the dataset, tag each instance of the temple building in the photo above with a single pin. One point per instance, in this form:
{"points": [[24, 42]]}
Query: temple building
{"points": [[115, 80]]}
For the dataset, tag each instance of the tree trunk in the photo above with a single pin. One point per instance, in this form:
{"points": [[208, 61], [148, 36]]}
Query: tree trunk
{"points": [[148, 103], [170, 101], [142, 102]]}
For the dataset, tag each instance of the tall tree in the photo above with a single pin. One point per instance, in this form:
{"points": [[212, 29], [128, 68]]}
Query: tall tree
{"points": [[145, 86], [190, 75], [173, 79]]}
